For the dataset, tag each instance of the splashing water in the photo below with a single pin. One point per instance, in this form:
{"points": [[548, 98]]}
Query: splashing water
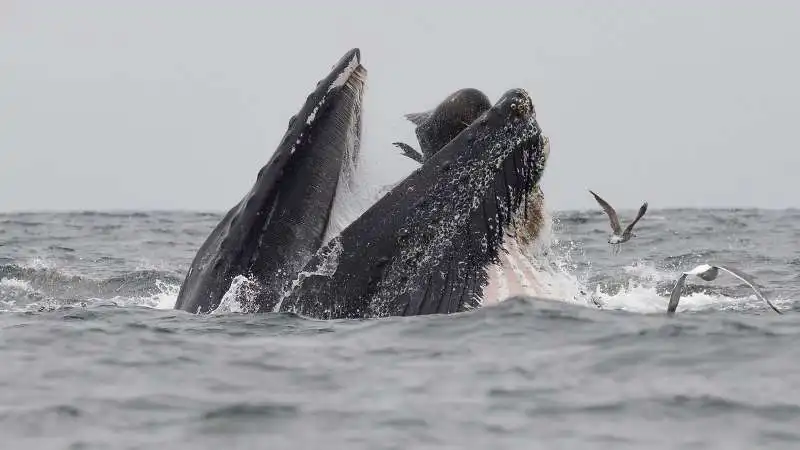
{"points": [[558, 277], [330, 260], [55, 260], [239, 296], [550, 267]]}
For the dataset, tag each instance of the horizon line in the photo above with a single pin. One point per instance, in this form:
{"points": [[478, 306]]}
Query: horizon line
{"points": [[223, 211]]}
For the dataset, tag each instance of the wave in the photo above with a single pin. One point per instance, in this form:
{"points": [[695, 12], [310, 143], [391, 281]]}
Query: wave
{"points": [[569, 258], [27, 288]]}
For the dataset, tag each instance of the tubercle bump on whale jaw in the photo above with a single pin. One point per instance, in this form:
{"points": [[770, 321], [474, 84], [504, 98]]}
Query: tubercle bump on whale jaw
{"points": [[300, 124]]}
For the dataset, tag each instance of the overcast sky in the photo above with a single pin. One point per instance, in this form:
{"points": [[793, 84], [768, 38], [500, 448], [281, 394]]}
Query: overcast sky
{"points": [[177, 104]]}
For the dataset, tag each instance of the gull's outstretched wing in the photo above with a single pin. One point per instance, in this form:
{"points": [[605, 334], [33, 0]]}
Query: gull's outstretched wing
{"points": [[675, 296], [642, 210], [612, 215], [750, 282]]}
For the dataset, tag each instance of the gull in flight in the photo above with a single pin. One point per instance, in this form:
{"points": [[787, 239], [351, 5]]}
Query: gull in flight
{"points": [[619, 236], [709, 272]]}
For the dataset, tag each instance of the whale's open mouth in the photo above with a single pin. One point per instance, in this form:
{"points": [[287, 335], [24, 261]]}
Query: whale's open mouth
{"points": [[426, 246]]}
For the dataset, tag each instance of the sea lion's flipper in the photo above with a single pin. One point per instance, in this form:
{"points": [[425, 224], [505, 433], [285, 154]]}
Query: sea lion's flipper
{"points": [[409, 151]]}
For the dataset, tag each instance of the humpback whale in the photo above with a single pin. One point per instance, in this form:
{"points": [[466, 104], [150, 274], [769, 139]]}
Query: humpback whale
{"points": [[514, 275], [426, 246], [283, 220]]}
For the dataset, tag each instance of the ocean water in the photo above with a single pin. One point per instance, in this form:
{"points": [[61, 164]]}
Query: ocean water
{"points": [[92, 356]]}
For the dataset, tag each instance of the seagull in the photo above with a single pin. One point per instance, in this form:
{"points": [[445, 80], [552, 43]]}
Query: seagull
{"points": [[619, 236], [709, 272]]}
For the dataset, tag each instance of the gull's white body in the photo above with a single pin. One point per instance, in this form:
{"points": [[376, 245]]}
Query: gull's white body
{"points": [[616, 239], [709, 272]]}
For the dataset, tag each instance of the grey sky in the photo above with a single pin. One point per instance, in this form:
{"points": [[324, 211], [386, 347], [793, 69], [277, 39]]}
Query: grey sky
{"points": [[155, 104]]}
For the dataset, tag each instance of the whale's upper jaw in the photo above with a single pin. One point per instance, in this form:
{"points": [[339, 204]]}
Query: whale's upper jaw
{"points": [[330, 116], [346, 73], [348, 67]]}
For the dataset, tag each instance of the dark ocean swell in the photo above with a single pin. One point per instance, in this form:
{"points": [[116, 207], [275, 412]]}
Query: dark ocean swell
{"points": [[93, 355]]}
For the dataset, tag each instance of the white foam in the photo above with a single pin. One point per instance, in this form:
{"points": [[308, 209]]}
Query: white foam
{"points": [[326, 267], [164, 298], [640, 298], [38, 263], [238, 296], [16, 284], [554, 276]]}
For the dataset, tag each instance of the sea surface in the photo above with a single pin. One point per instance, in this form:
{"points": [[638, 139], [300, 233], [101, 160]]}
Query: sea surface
{"points": [[92, 355]]}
